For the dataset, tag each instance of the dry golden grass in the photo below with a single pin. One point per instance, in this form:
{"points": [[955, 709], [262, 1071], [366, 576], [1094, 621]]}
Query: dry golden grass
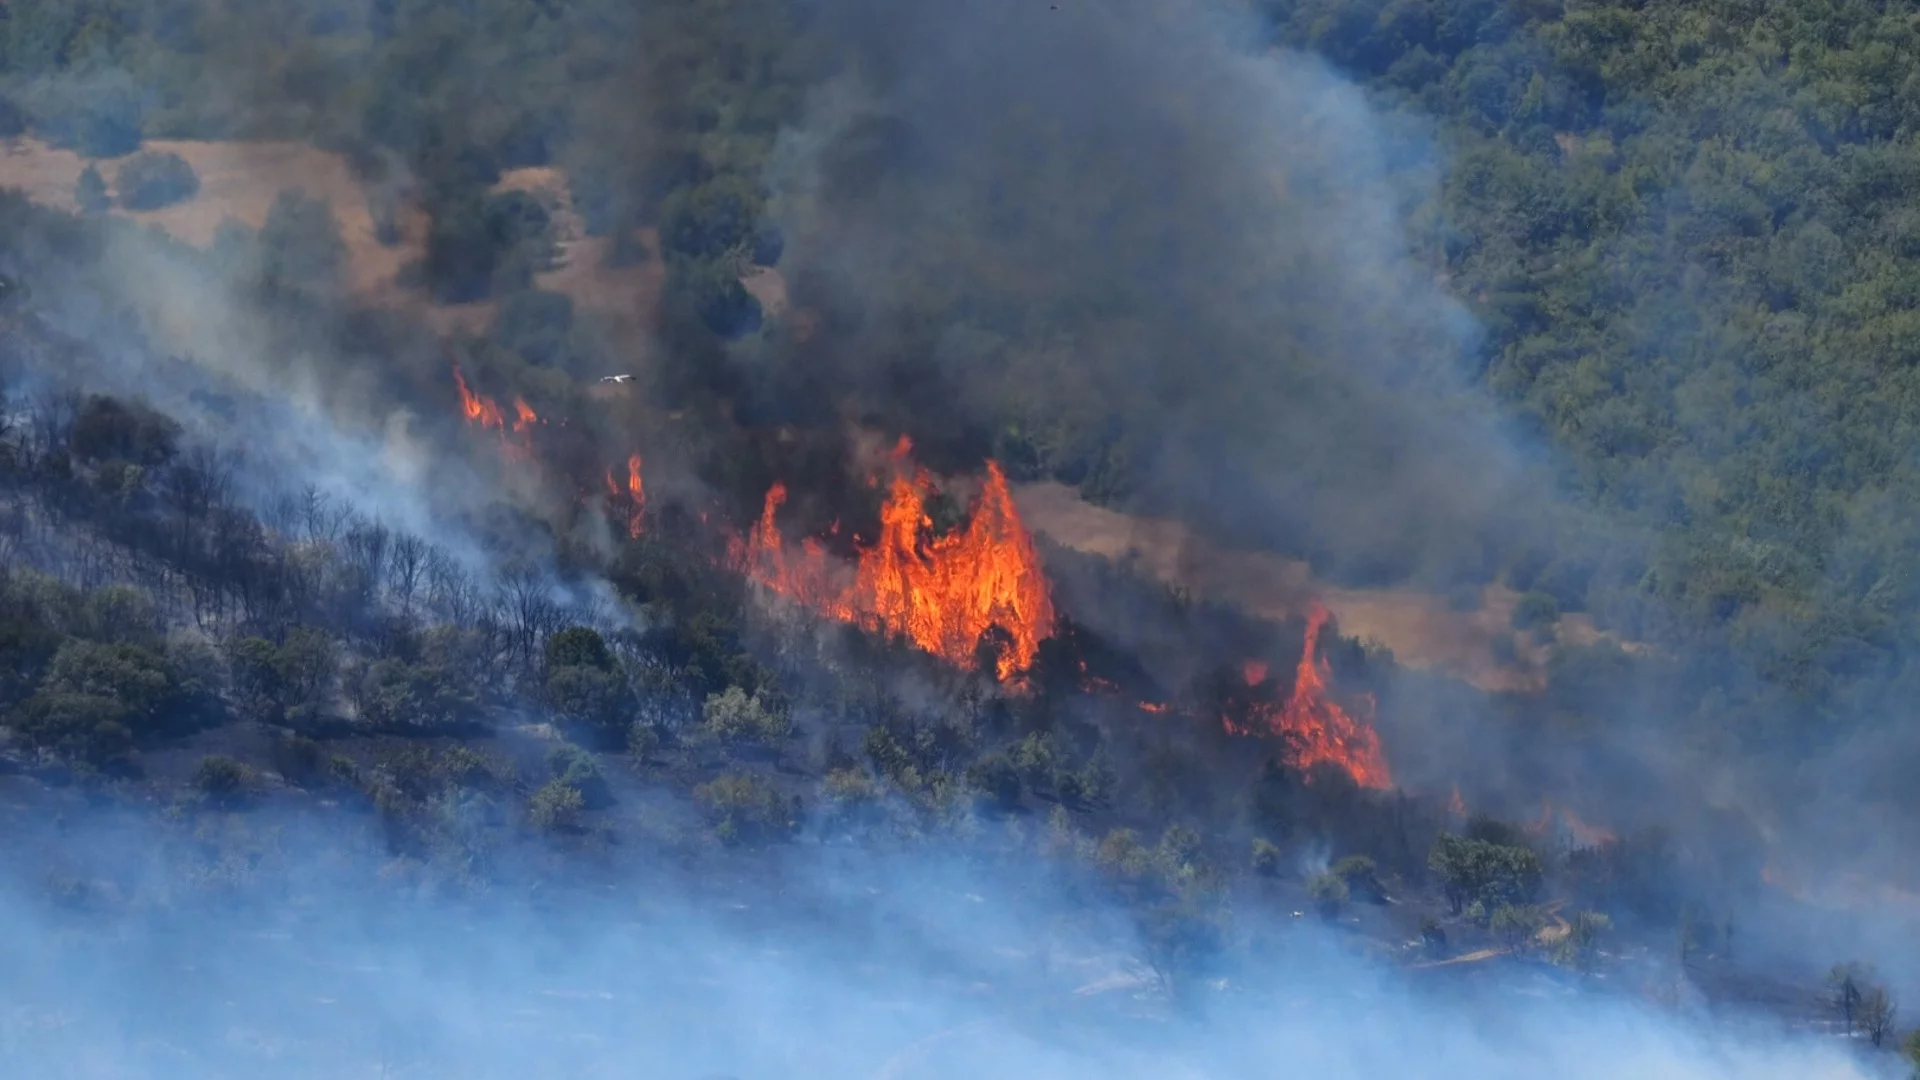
{"points": [[240, 180], [1421, 629]]}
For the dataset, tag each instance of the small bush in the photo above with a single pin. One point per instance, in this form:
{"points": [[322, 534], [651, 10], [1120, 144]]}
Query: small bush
{"points": [[556, 806], [1122, 855], [1329, 895], [221, 778], [151, 181], [1362, 878], [576, 768], [748, 808], [996, 777], [1266, 858], [849, 787], [734, 718]]}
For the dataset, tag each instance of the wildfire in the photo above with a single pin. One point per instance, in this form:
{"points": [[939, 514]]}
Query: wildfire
{"points": [[1315, 728], [635, 495], [484, 411], [1577, 833], [1457, 806], [941, 592]]}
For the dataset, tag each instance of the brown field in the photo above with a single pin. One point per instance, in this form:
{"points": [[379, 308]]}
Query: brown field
{"points": [[240, 180]]}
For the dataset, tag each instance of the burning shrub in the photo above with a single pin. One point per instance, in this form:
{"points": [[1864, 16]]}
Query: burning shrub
{"points": [[556, 806]]}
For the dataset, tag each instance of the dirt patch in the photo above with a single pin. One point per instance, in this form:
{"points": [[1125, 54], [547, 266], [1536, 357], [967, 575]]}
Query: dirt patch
{"points": [[240, 181], [1478, 645]]}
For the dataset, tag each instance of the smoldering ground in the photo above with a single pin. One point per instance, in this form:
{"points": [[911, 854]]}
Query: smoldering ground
{"points": [[130, 955]]}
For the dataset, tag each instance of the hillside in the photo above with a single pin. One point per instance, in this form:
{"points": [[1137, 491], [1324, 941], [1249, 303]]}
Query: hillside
{"points": [[967, 538]]}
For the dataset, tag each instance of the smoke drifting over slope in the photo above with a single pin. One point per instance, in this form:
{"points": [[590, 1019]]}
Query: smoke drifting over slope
{"points": [[1115, 221], [1106, 239], [830, 965]]}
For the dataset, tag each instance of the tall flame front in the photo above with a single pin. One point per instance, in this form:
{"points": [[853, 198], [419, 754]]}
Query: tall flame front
{"points": [[940, 592], [1316, 729], [634, 495], [516, 435]]}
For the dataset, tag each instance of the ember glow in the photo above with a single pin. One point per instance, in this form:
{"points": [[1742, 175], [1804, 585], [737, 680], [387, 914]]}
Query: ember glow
{"points": [[1315, 728], [941, 592], [634, 495], [1561, 822]]}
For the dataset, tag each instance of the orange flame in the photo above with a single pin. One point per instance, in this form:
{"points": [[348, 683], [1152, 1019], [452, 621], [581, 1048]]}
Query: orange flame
{"points": [[1456, 806], [1316, 728], [484, 411], [636, 496], [1577, 833], [941, 592], [478, 409], [1152, 707]]}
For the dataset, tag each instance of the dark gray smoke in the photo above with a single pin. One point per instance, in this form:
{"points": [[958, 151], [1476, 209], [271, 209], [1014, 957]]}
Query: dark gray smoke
{"points": [[1137, 244]]}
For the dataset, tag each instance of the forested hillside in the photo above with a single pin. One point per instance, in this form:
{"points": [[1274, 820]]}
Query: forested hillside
{"points": [[1605, 304], [1686, 228]]}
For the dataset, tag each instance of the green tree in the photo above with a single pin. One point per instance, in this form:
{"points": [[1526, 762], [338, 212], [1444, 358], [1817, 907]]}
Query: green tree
{"points": [[288, 682], [1479, 871], [300, 248], [556, 806], [152, 181]]}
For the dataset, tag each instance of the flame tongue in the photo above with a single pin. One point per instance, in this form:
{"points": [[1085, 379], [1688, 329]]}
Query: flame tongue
{"points": [[1316, 729], [479, 409], [942, 592]]}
